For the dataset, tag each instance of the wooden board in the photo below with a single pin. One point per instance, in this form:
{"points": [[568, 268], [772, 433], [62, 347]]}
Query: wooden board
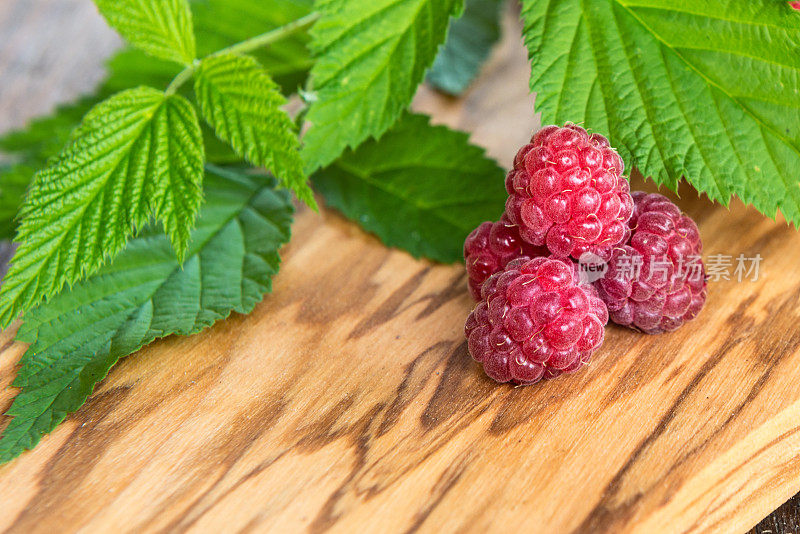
{"points": [[347, 401]]}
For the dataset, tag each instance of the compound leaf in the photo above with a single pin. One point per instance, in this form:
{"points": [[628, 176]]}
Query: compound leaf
{"points": [[218, 24], [136, 154], [146, 294]]}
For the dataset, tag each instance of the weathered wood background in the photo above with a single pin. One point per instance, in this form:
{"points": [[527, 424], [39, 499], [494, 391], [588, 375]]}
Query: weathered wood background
{"points": [[347, 401]]}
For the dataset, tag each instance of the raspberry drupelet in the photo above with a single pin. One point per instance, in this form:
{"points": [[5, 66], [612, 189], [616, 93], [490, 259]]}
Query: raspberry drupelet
{"points": [[656, 282], [535, 320], [566, 191], [490, 247]]}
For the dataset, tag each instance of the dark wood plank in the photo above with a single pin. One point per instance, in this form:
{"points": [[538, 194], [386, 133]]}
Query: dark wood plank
{"points": [[784, 520]]}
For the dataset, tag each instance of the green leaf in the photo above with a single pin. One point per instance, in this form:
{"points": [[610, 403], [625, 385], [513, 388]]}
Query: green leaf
{"points": [[137, 154], [146, 294], [218, 24], [131, 68], [161, 28], [243, 105], [421, 188], [44, 138], [371, 56], [468, 44], [697, 88]]}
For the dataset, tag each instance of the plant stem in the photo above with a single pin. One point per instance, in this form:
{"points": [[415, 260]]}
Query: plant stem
{"points": [[245, 46], [182, 77], [271, 36]]}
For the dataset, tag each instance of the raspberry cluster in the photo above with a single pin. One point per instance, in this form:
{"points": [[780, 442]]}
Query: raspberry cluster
{"points": [[535, 320], [490, 247], [567, 197], [567, 192], [657, 281]]}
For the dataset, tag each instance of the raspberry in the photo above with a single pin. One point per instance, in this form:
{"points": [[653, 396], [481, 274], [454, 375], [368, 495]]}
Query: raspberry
{"points": [[535, 320], [489, 247], [566, 191], [657, 281]]}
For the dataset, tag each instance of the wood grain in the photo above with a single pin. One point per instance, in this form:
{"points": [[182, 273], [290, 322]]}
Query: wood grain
{"points": [[347, 401]]}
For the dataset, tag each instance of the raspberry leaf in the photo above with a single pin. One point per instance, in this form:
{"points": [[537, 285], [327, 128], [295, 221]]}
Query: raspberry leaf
{"points": [[420, 188], [218, 24], [241, 102], [138, 154], [45, 137], [370, 58], [696, 88], [161, 28], [469, 41], [77, 336]]}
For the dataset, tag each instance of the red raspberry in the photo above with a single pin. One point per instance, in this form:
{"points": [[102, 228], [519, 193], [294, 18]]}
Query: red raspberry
{"points": [[567, 191], [489, 247], [535, 320], [657, 281]]}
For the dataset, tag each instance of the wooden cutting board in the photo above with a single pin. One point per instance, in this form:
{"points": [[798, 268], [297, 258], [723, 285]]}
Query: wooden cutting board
{"points": [[347, 400]]}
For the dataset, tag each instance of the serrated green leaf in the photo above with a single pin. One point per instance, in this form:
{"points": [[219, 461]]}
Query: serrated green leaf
{"points": [[136, 154], [145, 294], [241, 102], [468, 44], [44, 138], [218, 24], [174, 177], [161, 28], [420, 188], [371, 56], [698, 88]]}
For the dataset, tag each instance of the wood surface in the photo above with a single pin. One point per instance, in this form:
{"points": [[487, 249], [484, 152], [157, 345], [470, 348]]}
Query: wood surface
{"points": [[347, 401]]}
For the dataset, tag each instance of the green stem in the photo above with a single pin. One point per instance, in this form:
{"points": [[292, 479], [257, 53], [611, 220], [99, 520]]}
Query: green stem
{"points": [[245, 46], [183, 76], [271, 36]]}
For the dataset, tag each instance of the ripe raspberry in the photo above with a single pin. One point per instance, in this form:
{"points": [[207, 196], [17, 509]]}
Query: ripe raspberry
{"points": [[489, 247], [657, 281], [567, 191], [535, 320]]}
